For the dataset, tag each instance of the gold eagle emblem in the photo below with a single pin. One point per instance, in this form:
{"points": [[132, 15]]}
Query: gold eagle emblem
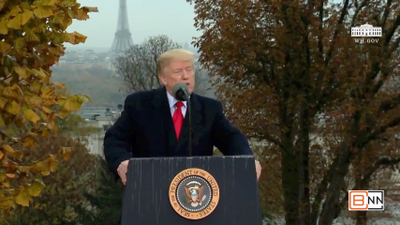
{"points": [[194, 192]]}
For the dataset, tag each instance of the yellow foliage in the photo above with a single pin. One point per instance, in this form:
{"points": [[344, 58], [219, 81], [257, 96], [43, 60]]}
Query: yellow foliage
{"points": [[65, 152], [32, 34], [23, 198], [6, 202], [36, 187]]}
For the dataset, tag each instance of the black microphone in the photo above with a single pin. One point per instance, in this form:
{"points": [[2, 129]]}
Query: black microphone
{"points": [[181, 93]]}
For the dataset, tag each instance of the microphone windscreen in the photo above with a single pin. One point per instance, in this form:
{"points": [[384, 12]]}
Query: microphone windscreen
{"points": [[180, 86]]}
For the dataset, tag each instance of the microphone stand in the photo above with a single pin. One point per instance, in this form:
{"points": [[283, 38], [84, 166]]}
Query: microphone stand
{"points": [[190, 125], [182, 94], [189, 107]]}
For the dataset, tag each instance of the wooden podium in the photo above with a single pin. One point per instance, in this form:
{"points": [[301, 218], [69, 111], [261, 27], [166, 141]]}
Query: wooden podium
{"points": [[212, 190]]}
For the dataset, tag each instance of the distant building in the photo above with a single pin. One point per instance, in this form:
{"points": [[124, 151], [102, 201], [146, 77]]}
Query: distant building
{"points": [[101, 118]]}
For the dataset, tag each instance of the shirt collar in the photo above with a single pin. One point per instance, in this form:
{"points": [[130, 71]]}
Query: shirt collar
{"points": [[172, 101]]}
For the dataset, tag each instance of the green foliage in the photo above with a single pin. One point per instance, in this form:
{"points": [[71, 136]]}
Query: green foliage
{"points": [[105, 197], [57, 202], [76, 125]]}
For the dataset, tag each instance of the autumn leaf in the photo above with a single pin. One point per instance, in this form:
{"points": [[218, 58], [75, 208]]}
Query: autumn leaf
{"points": [[2, 3], [26, 16], [32, 37], [59, 85], [10, 151], [45, 133], [3, 26], [13, 108], [14, 92], [10, 175], [46, 166], [6, 202], [41, 74], [72, 103], [29, 142], [23, 198], [26, 6], [24, 169], [15, 23], [4, 47], [3, 103], [3, 176], [15, 10], [27, 97], [63, 114], [34, 100], [48, 96], [20, 44], [23, 72], [49, 2], [85, 98], [47, 110], [36, 188], [81, 15], [2, 123], [65, 152], [43, 11], [90, 9], [31, 115], [76, 38]]}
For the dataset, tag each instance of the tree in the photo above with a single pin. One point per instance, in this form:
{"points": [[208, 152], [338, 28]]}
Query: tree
{"points": [[64, 190], [75, 125], [137, 67], [315, 92], [32, 34], [105, 198], [270, 194]]}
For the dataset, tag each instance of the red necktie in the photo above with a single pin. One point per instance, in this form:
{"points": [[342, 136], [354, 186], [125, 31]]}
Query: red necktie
{"points": [[178, 118]]}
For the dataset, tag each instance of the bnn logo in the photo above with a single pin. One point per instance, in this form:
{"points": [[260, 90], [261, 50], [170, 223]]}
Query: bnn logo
{"points": [[360, 200]]}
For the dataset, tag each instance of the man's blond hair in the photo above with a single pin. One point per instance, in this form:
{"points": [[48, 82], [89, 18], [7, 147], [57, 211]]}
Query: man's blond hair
{"points": [[174, 54]]}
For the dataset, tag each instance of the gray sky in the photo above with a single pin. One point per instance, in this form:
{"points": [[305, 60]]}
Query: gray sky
{"points": [[146, 18]]}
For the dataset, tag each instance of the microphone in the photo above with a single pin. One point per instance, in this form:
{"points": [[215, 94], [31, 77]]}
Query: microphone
{"points": [[181, 93]]}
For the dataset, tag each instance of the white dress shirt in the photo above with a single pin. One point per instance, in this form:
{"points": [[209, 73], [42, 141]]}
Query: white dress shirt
{"points": [[172, 101]]}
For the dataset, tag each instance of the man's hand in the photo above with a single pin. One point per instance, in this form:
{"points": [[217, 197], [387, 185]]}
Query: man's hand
{"points": [[122, 170], [258, 169]]}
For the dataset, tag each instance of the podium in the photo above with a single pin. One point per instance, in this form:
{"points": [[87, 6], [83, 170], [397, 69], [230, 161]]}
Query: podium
{"points": [[212, 190]]}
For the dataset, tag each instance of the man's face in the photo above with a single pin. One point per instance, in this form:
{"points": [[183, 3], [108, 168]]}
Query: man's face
{"points": [[178, 71]]}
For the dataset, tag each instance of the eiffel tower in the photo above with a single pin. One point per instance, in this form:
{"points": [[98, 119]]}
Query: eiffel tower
{"points": [[122, 39]]}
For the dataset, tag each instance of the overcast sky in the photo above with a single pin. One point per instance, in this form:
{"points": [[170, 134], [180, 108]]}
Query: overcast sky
{"points": [[146, 18]]}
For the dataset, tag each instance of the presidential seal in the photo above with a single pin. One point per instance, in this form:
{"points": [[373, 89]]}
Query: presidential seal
{"points": [[194, 193]]}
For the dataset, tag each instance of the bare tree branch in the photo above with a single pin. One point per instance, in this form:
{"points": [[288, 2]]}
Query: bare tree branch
{"points": [[392, 30], [386, 13], [358, 10], [336, 33], [388, 105], [382, 129], [137, 68], [380, 162]]}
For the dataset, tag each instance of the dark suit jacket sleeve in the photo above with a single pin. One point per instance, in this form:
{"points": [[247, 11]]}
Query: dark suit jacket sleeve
{"points": [[228, 138], [118, 139]]}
